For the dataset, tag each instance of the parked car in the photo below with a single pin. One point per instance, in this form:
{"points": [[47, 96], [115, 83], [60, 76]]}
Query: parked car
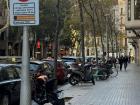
{"points": [[9, 84], [72, 59], [92, 59], [72, 66], [37, 65], [73, 62]]}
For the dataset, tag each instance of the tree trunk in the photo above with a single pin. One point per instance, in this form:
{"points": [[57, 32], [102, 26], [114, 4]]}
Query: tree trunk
{"points": [[82, 32], [56, 40]]}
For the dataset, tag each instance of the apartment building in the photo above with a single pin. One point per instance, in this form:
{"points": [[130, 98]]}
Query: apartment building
{"points": [[133, 26], [122, 37]]}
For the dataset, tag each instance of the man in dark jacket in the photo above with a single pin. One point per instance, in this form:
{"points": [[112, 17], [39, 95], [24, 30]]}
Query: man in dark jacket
{"points": [[121, 62], [125, 61]]}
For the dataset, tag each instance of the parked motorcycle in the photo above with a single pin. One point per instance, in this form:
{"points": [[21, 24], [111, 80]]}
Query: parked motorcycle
{"points": [[107, 68], [80, 75], [102, 71], [45, 93]]}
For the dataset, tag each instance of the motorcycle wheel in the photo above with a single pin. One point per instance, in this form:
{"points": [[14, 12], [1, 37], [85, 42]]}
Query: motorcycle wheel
{"points": [[53, 99], [103, 75], [74, 79], [60, 102]]}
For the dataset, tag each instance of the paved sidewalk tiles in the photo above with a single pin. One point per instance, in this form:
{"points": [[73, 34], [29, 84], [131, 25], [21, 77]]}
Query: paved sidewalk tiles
{"points": [[121, 90]]}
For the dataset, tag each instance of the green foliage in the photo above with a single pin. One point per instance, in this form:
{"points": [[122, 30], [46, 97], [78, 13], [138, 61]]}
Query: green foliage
{"points": [[48, 18]]}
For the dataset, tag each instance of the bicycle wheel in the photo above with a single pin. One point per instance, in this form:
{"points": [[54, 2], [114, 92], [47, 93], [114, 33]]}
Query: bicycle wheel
{"points": [[114, 72]]}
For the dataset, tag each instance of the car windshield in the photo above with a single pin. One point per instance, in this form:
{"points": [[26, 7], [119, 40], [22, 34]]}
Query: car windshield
{"points": [[34, 66], [69, 59]]}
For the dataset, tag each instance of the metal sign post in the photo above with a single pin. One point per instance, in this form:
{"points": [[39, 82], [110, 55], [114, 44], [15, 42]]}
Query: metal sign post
{"points": [[24, 13], [25, 93]]}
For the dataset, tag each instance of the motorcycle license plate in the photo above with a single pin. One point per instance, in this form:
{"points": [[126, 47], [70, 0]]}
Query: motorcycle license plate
{"points": [[68, 75]]}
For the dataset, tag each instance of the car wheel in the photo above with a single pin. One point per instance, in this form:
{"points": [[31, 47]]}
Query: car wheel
{"points": [[5, 100]]}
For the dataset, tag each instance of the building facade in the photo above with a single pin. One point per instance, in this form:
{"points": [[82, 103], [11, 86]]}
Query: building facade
{"points": [[3, 33], [133, 26], [124, 46]]}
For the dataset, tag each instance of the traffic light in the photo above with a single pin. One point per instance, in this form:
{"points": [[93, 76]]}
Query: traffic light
{"points": [[38, 44]]}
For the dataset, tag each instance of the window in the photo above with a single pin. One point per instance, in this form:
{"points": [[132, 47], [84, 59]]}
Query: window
{"points": [[121, 20], [125, 41], [121, 11], [0, 13], [18, 70], [0, 76], [2, 36], [129, 10], [12, 73], [48, 69], [34, 66], [137, 9], [4, 74], [1, 9]]}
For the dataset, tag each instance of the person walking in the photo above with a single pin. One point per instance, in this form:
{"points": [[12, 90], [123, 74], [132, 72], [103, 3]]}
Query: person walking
{"points": [[125, 60], [114, 61], [121, 59]]}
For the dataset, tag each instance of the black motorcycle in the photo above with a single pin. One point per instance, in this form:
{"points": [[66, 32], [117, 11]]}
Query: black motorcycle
{"points": [[45, 93], [76, 76], [107, 68]]}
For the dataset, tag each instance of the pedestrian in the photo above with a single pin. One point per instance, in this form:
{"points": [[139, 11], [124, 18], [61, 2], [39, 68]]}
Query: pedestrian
{"points": [[125, 61], [114, 61], [129, 59], [121, 62]]}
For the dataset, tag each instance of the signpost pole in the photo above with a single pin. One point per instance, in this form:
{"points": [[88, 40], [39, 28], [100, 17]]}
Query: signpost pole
{"points": [[24, 13], [25, 92]]}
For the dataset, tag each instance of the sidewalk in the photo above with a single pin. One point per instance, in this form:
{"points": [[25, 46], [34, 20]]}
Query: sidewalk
{"points": [[121, 90]]}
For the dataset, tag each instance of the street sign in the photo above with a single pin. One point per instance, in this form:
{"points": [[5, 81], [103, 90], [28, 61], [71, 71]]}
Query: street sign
{"points": [[24, 12]]}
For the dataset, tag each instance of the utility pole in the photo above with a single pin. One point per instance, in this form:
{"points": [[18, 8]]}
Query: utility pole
{"points": [[82, 33]]}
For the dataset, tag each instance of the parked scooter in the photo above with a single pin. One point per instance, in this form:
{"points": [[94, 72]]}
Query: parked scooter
{"points": [[45, 93], [102, 71], [80, 75], [107, 68]]}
